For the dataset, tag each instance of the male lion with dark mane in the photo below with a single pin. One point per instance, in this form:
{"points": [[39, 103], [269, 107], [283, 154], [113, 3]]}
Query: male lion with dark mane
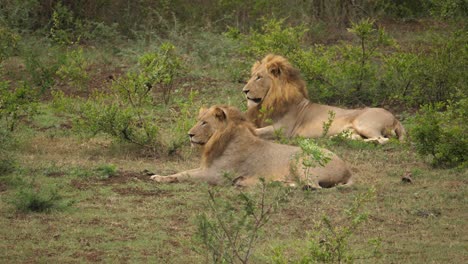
{"points": [[230, 146], [277, 94]]}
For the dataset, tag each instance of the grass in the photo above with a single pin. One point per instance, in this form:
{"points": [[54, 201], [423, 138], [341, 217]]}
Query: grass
{"points": [[125, 217], [115, 214]]}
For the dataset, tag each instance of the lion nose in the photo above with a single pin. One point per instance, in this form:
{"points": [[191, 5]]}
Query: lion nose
{"points": [[191, 135]]}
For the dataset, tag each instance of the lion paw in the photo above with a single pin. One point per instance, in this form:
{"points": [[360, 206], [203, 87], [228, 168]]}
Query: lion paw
{"points": [[162, 179]]}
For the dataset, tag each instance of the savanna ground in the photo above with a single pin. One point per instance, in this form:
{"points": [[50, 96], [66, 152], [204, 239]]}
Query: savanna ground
{"points": [[73, 190]]}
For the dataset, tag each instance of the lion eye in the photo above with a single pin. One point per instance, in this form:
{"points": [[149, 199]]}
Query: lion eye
{"points": [[203, 123], [258, 77]]}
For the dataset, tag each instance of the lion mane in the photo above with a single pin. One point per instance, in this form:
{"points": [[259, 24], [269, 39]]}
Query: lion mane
{"points": [[231, 146], [221, 137], [277, 99], [289, 90]]}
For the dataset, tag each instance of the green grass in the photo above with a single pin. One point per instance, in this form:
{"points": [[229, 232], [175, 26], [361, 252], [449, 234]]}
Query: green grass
{"points": [[126, 217], [109, 211]]}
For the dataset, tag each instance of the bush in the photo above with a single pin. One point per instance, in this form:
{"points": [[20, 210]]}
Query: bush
{"points": [[8, 42], [41, 69], [442, 135], [127, 111], [274, 37], [66, 29], [73, 69], [106, 171], [160, 69], [34, 199], [234, 221], [330, 242], [16, 104]]}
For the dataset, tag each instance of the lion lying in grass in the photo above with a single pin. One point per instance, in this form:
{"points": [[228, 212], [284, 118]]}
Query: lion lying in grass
{"points": [[230, 146], [276, 95]]}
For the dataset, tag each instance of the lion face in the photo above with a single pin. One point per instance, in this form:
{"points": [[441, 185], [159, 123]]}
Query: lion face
{"points": [[209, 121], [258, 86]]}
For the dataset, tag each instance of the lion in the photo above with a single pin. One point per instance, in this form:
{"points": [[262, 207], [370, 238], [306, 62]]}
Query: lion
{"points": [[277, 100], [231, 147]]}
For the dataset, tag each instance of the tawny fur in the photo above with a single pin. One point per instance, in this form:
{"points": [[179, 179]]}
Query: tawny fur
{"points": [[277, 100], [231, 146]]}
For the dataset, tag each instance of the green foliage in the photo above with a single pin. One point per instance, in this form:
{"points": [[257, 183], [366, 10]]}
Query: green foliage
{"points": [[161, 68], [67, 29], [126, 112], [107, 170], [441, 72], [36, 199], [274, 37], [41, 69], [16, 104], [73, 69], [345, 72], [448, 9], [329, 242], [399, 78], [62, 29], [121, 119], [328, 123], [312, 155], [7, 160], [229, 230], [217, 56], [8, 42], [442, 135], [20, 14], [184, 120]]}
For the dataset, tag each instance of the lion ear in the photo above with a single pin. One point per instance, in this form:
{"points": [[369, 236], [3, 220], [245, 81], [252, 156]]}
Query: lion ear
{"points": [[275, 68], [219, 113]]}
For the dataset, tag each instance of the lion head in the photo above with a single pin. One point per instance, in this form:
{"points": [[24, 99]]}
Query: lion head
{"points": [[215, 128], [274, 85]]}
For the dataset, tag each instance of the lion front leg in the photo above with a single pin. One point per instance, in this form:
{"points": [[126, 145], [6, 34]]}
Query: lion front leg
{"points": [[195, 174]]}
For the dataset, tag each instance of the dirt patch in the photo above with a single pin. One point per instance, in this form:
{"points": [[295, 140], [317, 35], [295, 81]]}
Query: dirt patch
{"points": [[140, 191], [90, 256], [55, 174], [126, 176], [121, 177]]}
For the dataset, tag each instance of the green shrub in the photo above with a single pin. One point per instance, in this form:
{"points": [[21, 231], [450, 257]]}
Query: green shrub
{"points": [[329, 242], [73, 69], [41, 69], [8, 42], [35, 199], [161, 68], [448, 9], [442, 135], [311, 156], [16, 104], [441, 72], [121, 120], [106, 170], [67, 29], [127, 111], [274, 37], [229, 229]]}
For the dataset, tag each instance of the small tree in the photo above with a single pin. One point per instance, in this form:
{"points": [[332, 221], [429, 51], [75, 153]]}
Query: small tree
{"points": [[161, 68], [233, 224]]}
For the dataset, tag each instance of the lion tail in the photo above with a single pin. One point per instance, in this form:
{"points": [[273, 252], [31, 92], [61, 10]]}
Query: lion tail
{"points": [[400, 131]]}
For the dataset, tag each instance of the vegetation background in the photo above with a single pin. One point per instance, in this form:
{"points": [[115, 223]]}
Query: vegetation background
{"points": [[97, 95]]}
